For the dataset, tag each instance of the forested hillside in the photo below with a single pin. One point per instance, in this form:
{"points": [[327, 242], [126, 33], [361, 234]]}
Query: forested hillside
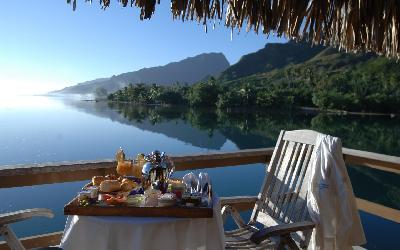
{"points": [[289, 75]]}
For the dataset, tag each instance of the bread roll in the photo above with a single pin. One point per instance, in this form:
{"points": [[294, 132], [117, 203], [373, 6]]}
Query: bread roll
{"points": [[96, 180], [128, 185], [111, 177], [110, 186]]}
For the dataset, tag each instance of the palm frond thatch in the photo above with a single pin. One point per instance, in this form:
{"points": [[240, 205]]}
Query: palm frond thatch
{"points": [[353, 25]]}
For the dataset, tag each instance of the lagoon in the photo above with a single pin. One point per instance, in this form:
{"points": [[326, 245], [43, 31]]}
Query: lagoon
{"points": [[45, 129]]}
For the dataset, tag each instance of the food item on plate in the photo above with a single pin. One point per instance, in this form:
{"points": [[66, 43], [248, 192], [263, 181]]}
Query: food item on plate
{"points": [[82, 195], [191, 199], [136, 200], [126, 180], [111, 177], [128, 185], [109, 199], [108, 186], [167, 200], [84, 202], [84, 198], [96, 180], [116, 201], [151, 197], [93, 190], [177, 187], [175, 181]]}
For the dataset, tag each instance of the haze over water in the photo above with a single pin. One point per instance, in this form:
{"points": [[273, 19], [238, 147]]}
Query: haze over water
{"points": [[41, 129]]}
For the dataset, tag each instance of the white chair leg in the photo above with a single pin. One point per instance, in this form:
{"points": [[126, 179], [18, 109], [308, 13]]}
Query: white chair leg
{"points": [[10, 237]]}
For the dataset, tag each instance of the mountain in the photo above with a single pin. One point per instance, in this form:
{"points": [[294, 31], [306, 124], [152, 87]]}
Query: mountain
{"points": [[302, 64], [297, 74], [189, 70], [272, 56]]}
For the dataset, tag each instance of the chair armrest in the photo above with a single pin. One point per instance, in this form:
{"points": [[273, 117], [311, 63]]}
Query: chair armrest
{"points": [[20, 215], [282, 229], [239, 202]]}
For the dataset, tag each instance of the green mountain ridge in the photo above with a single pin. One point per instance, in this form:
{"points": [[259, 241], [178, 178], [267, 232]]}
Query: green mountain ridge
{"points": [[316, 76], [272, 56]]}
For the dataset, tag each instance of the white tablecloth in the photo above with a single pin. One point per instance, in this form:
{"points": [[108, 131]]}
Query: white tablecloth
{"points": [[114, 232]]}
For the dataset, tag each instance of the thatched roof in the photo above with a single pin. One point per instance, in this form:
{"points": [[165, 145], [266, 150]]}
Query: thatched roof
{"points": [[353, 25]]}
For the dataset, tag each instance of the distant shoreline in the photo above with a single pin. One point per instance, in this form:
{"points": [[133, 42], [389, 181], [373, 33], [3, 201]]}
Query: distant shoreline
{"points": [[344, 112], [302, 108]]}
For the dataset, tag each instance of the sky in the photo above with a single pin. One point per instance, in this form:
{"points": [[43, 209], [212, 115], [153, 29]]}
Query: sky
{"points": [[45, 46]]}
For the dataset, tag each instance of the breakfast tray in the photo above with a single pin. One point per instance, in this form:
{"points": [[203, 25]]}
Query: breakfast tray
{"points": [[73, 208]]}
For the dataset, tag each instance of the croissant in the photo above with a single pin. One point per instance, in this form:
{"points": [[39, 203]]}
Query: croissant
{"points": [[96, 180], [108, 186], [128, 185]]}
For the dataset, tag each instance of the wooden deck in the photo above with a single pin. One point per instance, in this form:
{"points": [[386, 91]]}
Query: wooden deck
{"points": [[29, 175]]}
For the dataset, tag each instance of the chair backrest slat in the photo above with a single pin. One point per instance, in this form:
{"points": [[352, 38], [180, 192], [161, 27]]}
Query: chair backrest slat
{"points": [[276, 170], [285, 183], [300, 189], [281, 178], [284, 191], [276, 158], [290, 199]]}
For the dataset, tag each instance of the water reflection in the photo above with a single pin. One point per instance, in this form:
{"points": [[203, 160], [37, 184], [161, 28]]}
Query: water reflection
{"points": [[257, 128], [250, 128]]}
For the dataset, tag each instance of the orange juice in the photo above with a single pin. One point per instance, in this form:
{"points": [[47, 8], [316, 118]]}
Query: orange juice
{"points": [[125, 168], [137, 170]]}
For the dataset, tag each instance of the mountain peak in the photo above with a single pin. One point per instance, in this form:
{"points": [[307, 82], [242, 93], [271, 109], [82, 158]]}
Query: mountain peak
{"points": [[188, 70]]}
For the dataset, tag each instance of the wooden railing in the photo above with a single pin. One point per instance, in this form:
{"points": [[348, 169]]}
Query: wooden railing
{"points": [[28, 175]]}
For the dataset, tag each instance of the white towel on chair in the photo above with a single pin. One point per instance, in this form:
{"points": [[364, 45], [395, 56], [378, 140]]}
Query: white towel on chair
{"points": [[331, 202]]}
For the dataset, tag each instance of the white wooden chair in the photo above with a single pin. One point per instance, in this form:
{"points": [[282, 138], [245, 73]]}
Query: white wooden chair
{"points": [[8, 218], [280, 217]]}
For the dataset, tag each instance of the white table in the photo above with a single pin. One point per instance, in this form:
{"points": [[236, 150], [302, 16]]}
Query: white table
{"points": [[114, 232]]}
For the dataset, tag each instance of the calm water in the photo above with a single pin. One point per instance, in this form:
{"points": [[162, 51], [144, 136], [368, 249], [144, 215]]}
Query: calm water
{"points": [[39, 129]]}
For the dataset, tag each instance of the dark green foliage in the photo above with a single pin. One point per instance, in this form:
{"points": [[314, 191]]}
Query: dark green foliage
{"points": [[150, 94], [204, 94], [240, 96]]}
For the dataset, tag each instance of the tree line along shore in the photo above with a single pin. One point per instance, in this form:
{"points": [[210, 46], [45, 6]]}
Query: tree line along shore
{"points": [[346, 92]]}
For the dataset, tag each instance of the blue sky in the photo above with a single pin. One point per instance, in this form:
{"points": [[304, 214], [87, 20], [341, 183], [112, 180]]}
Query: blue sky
{"points": [[44, 45]]}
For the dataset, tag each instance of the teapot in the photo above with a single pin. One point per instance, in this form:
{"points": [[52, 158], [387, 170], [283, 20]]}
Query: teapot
{"points": [[157, 170]]}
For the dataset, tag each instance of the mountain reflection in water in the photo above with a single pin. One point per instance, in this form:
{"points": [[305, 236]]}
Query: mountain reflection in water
{"points": [[207, 128]]}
